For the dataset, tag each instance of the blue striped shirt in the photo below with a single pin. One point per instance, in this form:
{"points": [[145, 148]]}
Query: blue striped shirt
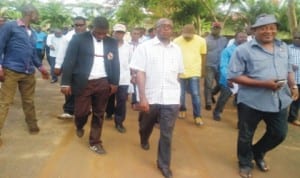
{"points": [[294, 55]]}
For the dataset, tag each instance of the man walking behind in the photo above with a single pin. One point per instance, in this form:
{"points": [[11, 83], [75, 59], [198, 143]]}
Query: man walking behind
{"points": [[193, 48]]}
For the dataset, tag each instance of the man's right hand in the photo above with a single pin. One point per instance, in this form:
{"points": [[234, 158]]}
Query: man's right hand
{"points": [[66, 90], [2, 77], [57, 71]]}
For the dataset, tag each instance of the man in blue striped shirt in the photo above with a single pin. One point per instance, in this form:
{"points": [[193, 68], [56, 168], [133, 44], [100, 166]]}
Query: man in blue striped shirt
{"points": [[294, 55]]}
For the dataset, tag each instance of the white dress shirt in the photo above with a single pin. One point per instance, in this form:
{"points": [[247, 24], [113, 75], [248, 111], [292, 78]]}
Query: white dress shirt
{"points": [[98, 68], [162, 65]]}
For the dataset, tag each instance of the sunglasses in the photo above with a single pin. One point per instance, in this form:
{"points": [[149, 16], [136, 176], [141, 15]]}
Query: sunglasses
{"points": [[297, 38], [79, 25]]}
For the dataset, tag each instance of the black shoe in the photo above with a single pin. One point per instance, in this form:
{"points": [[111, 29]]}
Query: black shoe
{"points": [[120, 128], [145, 146], [208, 107], [262, 165], [79, 133], [108, 117], [166, 172], [246, 172], [98, 149], [216, 117]]}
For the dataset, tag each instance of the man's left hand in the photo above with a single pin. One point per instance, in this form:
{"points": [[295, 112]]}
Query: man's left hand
{"points": [[44, 72], [113, 89], [295, 93]]}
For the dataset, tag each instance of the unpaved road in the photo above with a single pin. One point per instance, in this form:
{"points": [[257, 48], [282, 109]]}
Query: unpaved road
{"points": [[197, 152]]}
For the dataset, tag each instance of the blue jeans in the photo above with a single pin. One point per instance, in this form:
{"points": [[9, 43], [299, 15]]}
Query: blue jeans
{"points": [[192, 85], [249, 118]]}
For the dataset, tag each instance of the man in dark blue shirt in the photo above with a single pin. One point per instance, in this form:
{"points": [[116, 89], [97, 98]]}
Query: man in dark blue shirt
{"points": [[17, 61]]}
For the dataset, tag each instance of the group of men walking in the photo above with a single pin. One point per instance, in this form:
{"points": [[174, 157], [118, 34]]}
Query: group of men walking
{"points": [[95, 66]]}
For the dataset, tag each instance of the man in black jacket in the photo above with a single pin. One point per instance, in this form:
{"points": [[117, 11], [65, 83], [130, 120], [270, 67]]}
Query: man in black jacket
{"points": [[91, 72]]}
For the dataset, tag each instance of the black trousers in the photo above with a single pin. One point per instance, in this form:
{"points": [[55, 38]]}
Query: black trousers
{"points": [[249, 118], [166, 116]]}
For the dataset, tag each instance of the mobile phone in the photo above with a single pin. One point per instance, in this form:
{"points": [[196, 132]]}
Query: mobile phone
{"points": [[280, 81]]}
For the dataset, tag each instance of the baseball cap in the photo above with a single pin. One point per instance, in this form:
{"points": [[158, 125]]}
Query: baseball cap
{"points": [[216, 24], [119, 27]]}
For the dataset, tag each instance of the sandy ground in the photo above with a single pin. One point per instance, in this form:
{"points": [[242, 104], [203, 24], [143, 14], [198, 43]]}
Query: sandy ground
{"points": [[197, 152]]}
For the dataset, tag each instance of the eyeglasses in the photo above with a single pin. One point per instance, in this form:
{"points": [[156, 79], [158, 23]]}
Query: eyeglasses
{"points": [[79, 25], [296, 38]]}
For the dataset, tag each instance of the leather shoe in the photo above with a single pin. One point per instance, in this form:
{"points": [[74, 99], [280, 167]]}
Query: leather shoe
{"points": [[34, 129], [120, 128], [166, 172], [145, 146], [261, 164], [296, 123], [79, 133], [245, 172]]}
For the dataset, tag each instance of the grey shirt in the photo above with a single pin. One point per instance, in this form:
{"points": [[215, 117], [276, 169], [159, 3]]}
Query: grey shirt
{"points": [[252, 60], [214, 49]]}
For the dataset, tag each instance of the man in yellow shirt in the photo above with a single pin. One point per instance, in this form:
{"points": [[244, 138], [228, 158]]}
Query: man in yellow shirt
{"points": [[194, 50]]}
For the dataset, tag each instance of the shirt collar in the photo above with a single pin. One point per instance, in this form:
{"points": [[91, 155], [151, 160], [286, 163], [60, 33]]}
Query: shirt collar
{"points": [[156, 41], [276, 42]]}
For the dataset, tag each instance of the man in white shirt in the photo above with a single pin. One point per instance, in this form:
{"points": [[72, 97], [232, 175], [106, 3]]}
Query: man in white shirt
{"points": [[158, 63], [118, 100]]}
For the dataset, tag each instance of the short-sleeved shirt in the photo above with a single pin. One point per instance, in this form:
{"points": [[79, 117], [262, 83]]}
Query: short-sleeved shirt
{"points": [[162, 64], [214, 49], [191, 51], [252, 60], [294, 55]]}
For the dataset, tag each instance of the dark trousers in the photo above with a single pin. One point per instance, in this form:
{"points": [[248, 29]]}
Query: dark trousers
{"points": [[120, 110], [225, 94], [40, 53], [68, 106], [166, 116], [95, 94], [209, 88], [276, 131], [110, 107], [294, 109]]}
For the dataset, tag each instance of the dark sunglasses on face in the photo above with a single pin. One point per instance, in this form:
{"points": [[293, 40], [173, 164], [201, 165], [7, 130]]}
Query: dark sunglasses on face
{"points": [[79, 25], [296, 38]]}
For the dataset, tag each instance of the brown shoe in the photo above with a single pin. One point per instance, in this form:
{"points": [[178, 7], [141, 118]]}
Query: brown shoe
{"points": [[34, 129], [296, 123], [98, 149]]}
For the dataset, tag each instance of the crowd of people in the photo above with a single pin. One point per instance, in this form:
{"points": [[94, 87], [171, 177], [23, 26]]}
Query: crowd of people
{"points": [[99, 71]]}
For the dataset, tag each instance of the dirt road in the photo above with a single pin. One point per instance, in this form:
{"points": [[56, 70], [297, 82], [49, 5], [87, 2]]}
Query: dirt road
{"points": [[198, 152]]}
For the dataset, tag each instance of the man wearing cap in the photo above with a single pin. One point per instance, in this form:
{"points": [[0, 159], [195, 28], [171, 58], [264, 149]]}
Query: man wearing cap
{"points": [[215, 44], [193, 48], [118, 100], [294, 54], [262, 69]]}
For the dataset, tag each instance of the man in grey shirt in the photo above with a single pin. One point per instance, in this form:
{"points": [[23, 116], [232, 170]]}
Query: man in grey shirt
{"points": [[215, 44], [266, 88]]}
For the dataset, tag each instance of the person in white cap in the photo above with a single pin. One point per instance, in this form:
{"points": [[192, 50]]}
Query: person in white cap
{"points": [[118, 100], [264, 73]]}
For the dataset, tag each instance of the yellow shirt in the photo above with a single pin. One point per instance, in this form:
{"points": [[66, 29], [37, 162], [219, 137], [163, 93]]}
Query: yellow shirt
{"points": [[191, 51]]}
